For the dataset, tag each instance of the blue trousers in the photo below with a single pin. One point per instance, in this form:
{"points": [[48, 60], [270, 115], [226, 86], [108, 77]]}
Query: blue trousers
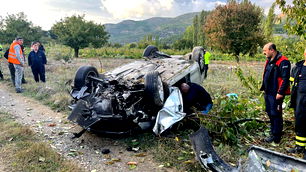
{"points": [[274, 110]]}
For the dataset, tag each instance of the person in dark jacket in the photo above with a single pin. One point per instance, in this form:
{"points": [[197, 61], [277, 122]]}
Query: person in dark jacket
{"points": [[275, 86], [196, 96], [298, 103], [37, 60]]}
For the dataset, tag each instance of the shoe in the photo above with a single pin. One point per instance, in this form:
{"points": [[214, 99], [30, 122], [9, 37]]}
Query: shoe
{"points": [[271, 139], [297, 149], [19, 90]]}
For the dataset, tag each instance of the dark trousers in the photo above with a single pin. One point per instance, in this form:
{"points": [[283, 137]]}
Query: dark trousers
{"points": [[1, 75], [12, 72], [39, 73], [274, 110], [300, 115], [205, 70]]}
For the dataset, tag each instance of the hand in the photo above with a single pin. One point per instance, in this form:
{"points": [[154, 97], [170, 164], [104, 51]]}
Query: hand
{"points": [[279, 96]]}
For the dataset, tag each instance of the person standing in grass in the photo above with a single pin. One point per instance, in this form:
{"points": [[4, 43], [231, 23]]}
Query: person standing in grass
{"points": [[206, 62], [15, 57], [37, 60], [275, 85], [298, 103]]}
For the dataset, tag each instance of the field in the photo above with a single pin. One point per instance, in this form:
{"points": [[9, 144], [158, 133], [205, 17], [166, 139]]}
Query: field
{"points": [[174, 149]]}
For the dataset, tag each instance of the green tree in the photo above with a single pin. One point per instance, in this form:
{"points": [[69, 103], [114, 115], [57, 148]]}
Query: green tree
{"points": [[296, 20], [195, 30], [17, 25], [268, 27], [202, 20], [235, 28], [77, 33]]}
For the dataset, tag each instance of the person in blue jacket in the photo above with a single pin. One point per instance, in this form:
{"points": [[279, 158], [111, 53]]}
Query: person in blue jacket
{"points": [[194, 95], [37, 60]]}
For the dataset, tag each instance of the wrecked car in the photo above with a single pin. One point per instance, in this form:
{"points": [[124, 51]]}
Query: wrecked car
{"points": [[128, 98]]}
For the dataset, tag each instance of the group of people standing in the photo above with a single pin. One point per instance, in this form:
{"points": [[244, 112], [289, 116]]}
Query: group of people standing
{"points": [[16, 62], [276, 85]]}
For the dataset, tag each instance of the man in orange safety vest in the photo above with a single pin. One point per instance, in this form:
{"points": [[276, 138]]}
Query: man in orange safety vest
{"points": [[15, 57]]}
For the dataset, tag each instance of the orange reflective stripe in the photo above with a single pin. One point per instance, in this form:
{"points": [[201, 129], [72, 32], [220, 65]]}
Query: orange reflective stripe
{"points": [[13, 60]]}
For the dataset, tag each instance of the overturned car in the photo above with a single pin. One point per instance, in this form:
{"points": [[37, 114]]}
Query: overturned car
{"points": [[128, 98]]}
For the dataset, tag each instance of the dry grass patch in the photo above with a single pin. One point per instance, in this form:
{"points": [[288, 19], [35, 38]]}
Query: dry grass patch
{"points": [[22, 150]]}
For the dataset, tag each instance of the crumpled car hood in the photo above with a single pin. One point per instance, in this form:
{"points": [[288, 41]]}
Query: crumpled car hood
{"points": [[171, 113]]}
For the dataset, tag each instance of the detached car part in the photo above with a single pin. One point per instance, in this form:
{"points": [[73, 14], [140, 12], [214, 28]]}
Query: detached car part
{"points": [[259, 159]]}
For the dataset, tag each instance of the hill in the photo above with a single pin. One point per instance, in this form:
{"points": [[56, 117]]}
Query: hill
{"points": [[129, 31]]}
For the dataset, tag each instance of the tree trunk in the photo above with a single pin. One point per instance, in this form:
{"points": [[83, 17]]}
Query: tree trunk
{"points": [[76, 52], [237, 58]]}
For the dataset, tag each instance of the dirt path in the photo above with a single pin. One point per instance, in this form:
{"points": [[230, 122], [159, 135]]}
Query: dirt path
{"points": [[56, 130]]}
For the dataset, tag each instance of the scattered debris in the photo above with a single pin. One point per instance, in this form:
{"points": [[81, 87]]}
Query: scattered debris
{"points": [[51, 125], [105, 151], [41, 159], [141, 155]]}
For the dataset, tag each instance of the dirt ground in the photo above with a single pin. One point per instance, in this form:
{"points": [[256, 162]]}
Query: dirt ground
{"points": [[57, 131]]}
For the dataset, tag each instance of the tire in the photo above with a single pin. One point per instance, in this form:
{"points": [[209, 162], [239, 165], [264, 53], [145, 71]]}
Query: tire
{"points": [[81, 77], [149, 51], [198, 56], [154, 89]]}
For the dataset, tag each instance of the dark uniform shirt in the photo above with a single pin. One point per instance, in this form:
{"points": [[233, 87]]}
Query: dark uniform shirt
{"points": [[272, 73], [302, 81], [197, 96]]}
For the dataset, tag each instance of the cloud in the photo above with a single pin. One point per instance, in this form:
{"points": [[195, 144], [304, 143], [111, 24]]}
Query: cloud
{"points": [[136, 9], [46, 12], [141, 9]]}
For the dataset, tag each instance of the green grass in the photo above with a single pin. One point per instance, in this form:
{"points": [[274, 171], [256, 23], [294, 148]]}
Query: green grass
{"points": [[22, 150]]}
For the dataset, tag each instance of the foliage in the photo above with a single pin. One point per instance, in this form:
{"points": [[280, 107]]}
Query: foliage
{"points": [[268, 27], [235, 28], [195, 30], [17, 25], [226, 111], [77, 33], [249, 82], [147, 40], [296, 20], [194, 34], [291, 47]]}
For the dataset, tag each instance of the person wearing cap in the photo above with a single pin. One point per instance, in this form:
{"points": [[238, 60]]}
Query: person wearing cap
{"points": [[16, 57]]}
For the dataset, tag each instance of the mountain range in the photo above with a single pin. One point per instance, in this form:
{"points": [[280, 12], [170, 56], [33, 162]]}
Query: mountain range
{"points": [[129, 31]]}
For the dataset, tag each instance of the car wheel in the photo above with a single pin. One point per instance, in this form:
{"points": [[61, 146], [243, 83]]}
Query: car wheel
{"points": [[149, 51], [154, 89], [198, 56], [82, 76]]}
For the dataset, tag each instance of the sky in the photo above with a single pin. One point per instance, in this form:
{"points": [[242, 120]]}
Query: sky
{"points": [[45, 13]]}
